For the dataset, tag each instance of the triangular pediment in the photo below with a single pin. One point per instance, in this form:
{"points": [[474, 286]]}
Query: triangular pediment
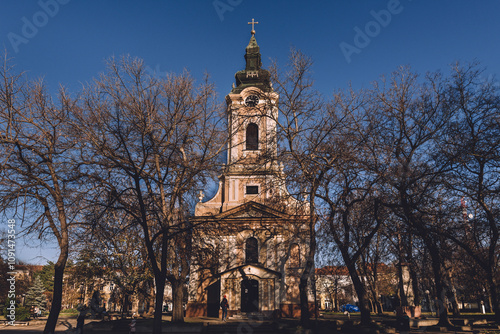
{"points": [[252, 210], [250, 270]]}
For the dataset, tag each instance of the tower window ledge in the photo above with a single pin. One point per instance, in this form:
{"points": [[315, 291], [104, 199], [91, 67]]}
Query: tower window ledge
{"points": [[251, 153]]}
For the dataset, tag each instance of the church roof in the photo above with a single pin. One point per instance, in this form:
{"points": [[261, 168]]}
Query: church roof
{"points": [[252, 209], [253, 75], [252, 46]]}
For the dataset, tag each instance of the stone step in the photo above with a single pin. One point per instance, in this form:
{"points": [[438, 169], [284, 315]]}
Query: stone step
{"points": [[256, 316], [238, 316], [420, 323], [480, 322], [460, 322]]}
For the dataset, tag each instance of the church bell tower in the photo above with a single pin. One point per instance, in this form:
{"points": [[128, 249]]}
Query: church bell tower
{"points": [[252, 172]]}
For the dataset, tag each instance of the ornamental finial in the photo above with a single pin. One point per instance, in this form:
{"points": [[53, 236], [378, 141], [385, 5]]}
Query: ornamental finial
{"points": [[253, 28]]}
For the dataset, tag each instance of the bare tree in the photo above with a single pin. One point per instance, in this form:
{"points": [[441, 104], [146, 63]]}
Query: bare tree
{"points": [[150, 143], [319, 143], [401, 239], [410, 117], [297, 106], [348, 198], [472, 143], [372, 266], [38, 178]]}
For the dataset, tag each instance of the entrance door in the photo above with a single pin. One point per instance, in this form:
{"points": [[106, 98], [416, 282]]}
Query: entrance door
{"points": [[213, 300], [249, 295]]}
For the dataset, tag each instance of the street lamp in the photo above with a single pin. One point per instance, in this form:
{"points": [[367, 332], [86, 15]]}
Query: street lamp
{"points": [[483, 309], [82, 299], [427, 293]]}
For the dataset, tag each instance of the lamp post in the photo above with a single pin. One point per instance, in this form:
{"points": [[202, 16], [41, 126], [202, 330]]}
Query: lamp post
{"points": [[483, 309], [82, 298], [427, 293]]}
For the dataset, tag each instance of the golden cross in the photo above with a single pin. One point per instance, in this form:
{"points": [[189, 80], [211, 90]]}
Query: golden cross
{"points": [[252, 23]]}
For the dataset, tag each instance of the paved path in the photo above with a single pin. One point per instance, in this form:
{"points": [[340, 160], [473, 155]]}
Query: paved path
{"points": [[206, 326]]}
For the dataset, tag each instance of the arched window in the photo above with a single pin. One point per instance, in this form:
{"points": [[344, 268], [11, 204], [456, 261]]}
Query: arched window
{"points": [[252, 137], [251, 250], [294, 256]]}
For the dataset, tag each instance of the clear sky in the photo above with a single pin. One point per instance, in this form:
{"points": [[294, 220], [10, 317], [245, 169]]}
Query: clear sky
{"points": [[67, 41]]}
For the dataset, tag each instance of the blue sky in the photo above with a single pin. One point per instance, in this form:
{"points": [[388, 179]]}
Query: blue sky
{"points": [[67, 41]]}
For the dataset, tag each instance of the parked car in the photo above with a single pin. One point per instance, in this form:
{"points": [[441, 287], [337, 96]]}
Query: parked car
{"points": [[349, 308]]}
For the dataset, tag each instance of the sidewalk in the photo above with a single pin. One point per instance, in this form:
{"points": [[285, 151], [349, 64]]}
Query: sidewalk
{"points": [[204, 325]]}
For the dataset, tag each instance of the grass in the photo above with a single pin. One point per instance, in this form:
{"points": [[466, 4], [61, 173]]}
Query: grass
{"points": [[71, 311]]}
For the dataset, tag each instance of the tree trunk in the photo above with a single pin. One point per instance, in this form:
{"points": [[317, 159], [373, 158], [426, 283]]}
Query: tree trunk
{"points": [[495, 307], [362, 295], [376, 302], [417, 299], [305, 314], [160, 291], [125, 305], [441, 308], [403, 301], [55, 308], [151, 307], [401, 289], [178, 300], [453, 294], [376, 299], [454, 303], [304, 303], [380, 307], [308, 272], [336, 297]]}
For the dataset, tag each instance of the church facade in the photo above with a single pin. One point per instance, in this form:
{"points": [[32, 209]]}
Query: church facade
{"points": [[251, 239]]}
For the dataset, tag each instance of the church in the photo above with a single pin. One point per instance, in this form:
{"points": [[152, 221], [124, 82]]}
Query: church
{"points": [[250, 240]]}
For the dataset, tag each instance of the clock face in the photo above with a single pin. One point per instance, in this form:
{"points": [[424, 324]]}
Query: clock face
{"points": [[252, 100]]}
